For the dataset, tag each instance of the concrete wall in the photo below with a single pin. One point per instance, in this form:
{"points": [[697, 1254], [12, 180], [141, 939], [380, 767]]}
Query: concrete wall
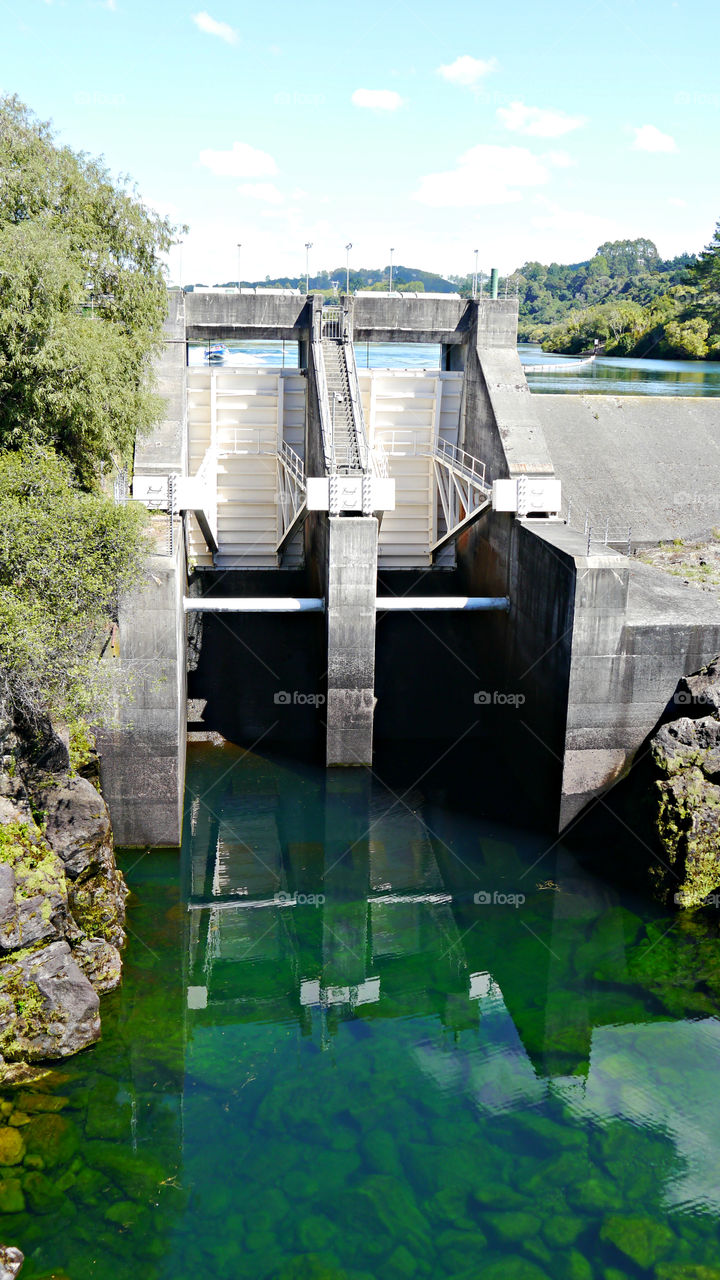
{"points": [[351, 587], [142, 757], [648, 462], [221, 316], [499, 420]]}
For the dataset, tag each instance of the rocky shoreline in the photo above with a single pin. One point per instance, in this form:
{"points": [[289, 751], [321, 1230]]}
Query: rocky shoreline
{"points": [[62, 904]]}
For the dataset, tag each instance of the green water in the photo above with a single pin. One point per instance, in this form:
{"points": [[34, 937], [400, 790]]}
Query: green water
{"points": [[363, 1033]]}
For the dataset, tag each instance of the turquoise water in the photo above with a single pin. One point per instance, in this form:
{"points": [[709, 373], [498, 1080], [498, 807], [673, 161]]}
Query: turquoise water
{"points": [[365, 1034], [615, 376]]}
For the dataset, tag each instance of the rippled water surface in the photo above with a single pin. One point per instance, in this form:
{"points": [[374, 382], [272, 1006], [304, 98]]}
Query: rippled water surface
{"points": [[621, 376], [363, 1033]]}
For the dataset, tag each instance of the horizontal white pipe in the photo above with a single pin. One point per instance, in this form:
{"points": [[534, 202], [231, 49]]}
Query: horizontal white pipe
{"points": [[414, 604], [316, 604], [254, 604]]}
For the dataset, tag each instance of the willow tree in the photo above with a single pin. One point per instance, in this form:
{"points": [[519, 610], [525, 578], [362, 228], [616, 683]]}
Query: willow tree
{"points": [[82, 299]]}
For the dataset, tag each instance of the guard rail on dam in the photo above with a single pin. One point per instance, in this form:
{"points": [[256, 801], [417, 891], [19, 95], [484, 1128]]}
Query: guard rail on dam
{"points": [[326, 494]]}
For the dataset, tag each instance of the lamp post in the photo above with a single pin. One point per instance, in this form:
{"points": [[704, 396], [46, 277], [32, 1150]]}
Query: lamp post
{"points": [[308, 247], [239, 247], [348, 247], [180, 245], [391, 254], [475, 276]]}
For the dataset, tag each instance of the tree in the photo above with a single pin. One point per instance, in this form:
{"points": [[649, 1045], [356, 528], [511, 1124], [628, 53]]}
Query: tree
{"points": [[705, 272], [65, 558], [82, 299]]}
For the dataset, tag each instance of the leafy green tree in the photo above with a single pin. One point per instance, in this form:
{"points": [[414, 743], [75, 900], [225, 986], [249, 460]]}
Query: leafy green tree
{"points": [[82, 299], [65, 558], [705, 272], [686, 341]]}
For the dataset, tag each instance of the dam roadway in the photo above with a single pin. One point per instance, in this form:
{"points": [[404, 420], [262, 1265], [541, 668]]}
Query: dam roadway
{"points": [[352, 487]]}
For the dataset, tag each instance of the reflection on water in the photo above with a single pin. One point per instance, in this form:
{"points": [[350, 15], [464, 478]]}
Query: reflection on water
{"points": [[380, 1038], [623, 376]]}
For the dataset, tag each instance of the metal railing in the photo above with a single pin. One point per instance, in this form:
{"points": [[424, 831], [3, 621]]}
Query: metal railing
{"points": [[356, 406], [292, 491], [243, 440], [620, 539], [333, 322], [458, 460]]}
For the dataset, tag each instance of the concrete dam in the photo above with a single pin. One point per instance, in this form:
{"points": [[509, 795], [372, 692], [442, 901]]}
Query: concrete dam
{"points": [[352, 557]]}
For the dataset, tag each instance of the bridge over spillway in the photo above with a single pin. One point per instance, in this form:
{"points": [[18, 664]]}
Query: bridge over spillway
{"points": [[360, 494]]}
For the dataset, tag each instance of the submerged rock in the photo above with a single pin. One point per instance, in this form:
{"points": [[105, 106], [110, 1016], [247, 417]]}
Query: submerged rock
{"points": [[686, 758], [642, 1240]]}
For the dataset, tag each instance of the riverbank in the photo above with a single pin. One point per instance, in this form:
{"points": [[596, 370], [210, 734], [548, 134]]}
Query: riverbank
{"points": [[62, 904]]}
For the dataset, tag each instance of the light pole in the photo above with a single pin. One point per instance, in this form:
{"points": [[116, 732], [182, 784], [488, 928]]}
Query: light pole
{"points": [[308, 247], [475, 276], [348, 247], [239, 247], [391, 254]]}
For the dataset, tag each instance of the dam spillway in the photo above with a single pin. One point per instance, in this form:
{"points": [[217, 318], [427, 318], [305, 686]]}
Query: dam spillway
{"points": [[329, 483]]}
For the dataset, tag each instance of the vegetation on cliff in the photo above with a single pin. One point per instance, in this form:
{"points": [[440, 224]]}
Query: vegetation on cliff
{"points": [[627, 298], [82, 300], [65, 557], [82, 304]]}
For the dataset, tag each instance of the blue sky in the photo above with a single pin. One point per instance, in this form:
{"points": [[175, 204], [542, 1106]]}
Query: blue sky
{"points": [[523, 130]]}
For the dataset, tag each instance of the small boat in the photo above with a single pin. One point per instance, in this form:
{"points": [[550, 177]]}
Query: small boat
{"points": [[216, 352]]}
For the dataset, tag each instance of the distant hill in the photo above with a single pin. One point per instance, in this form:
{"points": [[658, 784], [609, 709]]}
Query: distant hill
{"points": [[360, 278]]}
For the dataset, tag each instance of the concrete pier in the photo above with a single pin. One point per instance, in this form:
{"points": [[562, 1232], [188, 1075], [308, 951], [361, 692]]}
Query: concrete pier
{"points": [[351, 588]]}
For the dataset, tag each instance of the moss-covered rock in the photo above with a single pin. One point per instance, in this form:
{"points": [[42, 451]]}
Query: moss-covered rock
{"points": [[686, 759], [48, 1009], [12, 1146], [53, 1137], [643, 1240], [33, 890], [12, 1199]]}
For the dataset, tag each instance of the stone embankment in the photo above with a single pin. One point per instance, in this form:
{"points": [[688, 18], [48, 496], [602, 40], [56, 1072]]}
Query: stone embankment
{"points": [[62, 906], [685, 754]]}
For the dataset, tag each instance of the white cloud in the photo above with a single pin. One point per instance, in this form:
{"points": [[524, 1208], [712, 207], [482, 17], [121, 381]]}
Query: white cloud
{"points": [[467, 70], [677, 202], [377, 99], [485, 175], [241, 161], [265, 191], [538, 122], [577, 229], [212, 27], [648, 138], [560, 159]]}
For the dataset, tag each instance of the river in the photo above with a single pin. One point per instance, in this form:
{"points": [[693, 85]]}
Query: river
{"points": [[606, 376], [366, 1034]]}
